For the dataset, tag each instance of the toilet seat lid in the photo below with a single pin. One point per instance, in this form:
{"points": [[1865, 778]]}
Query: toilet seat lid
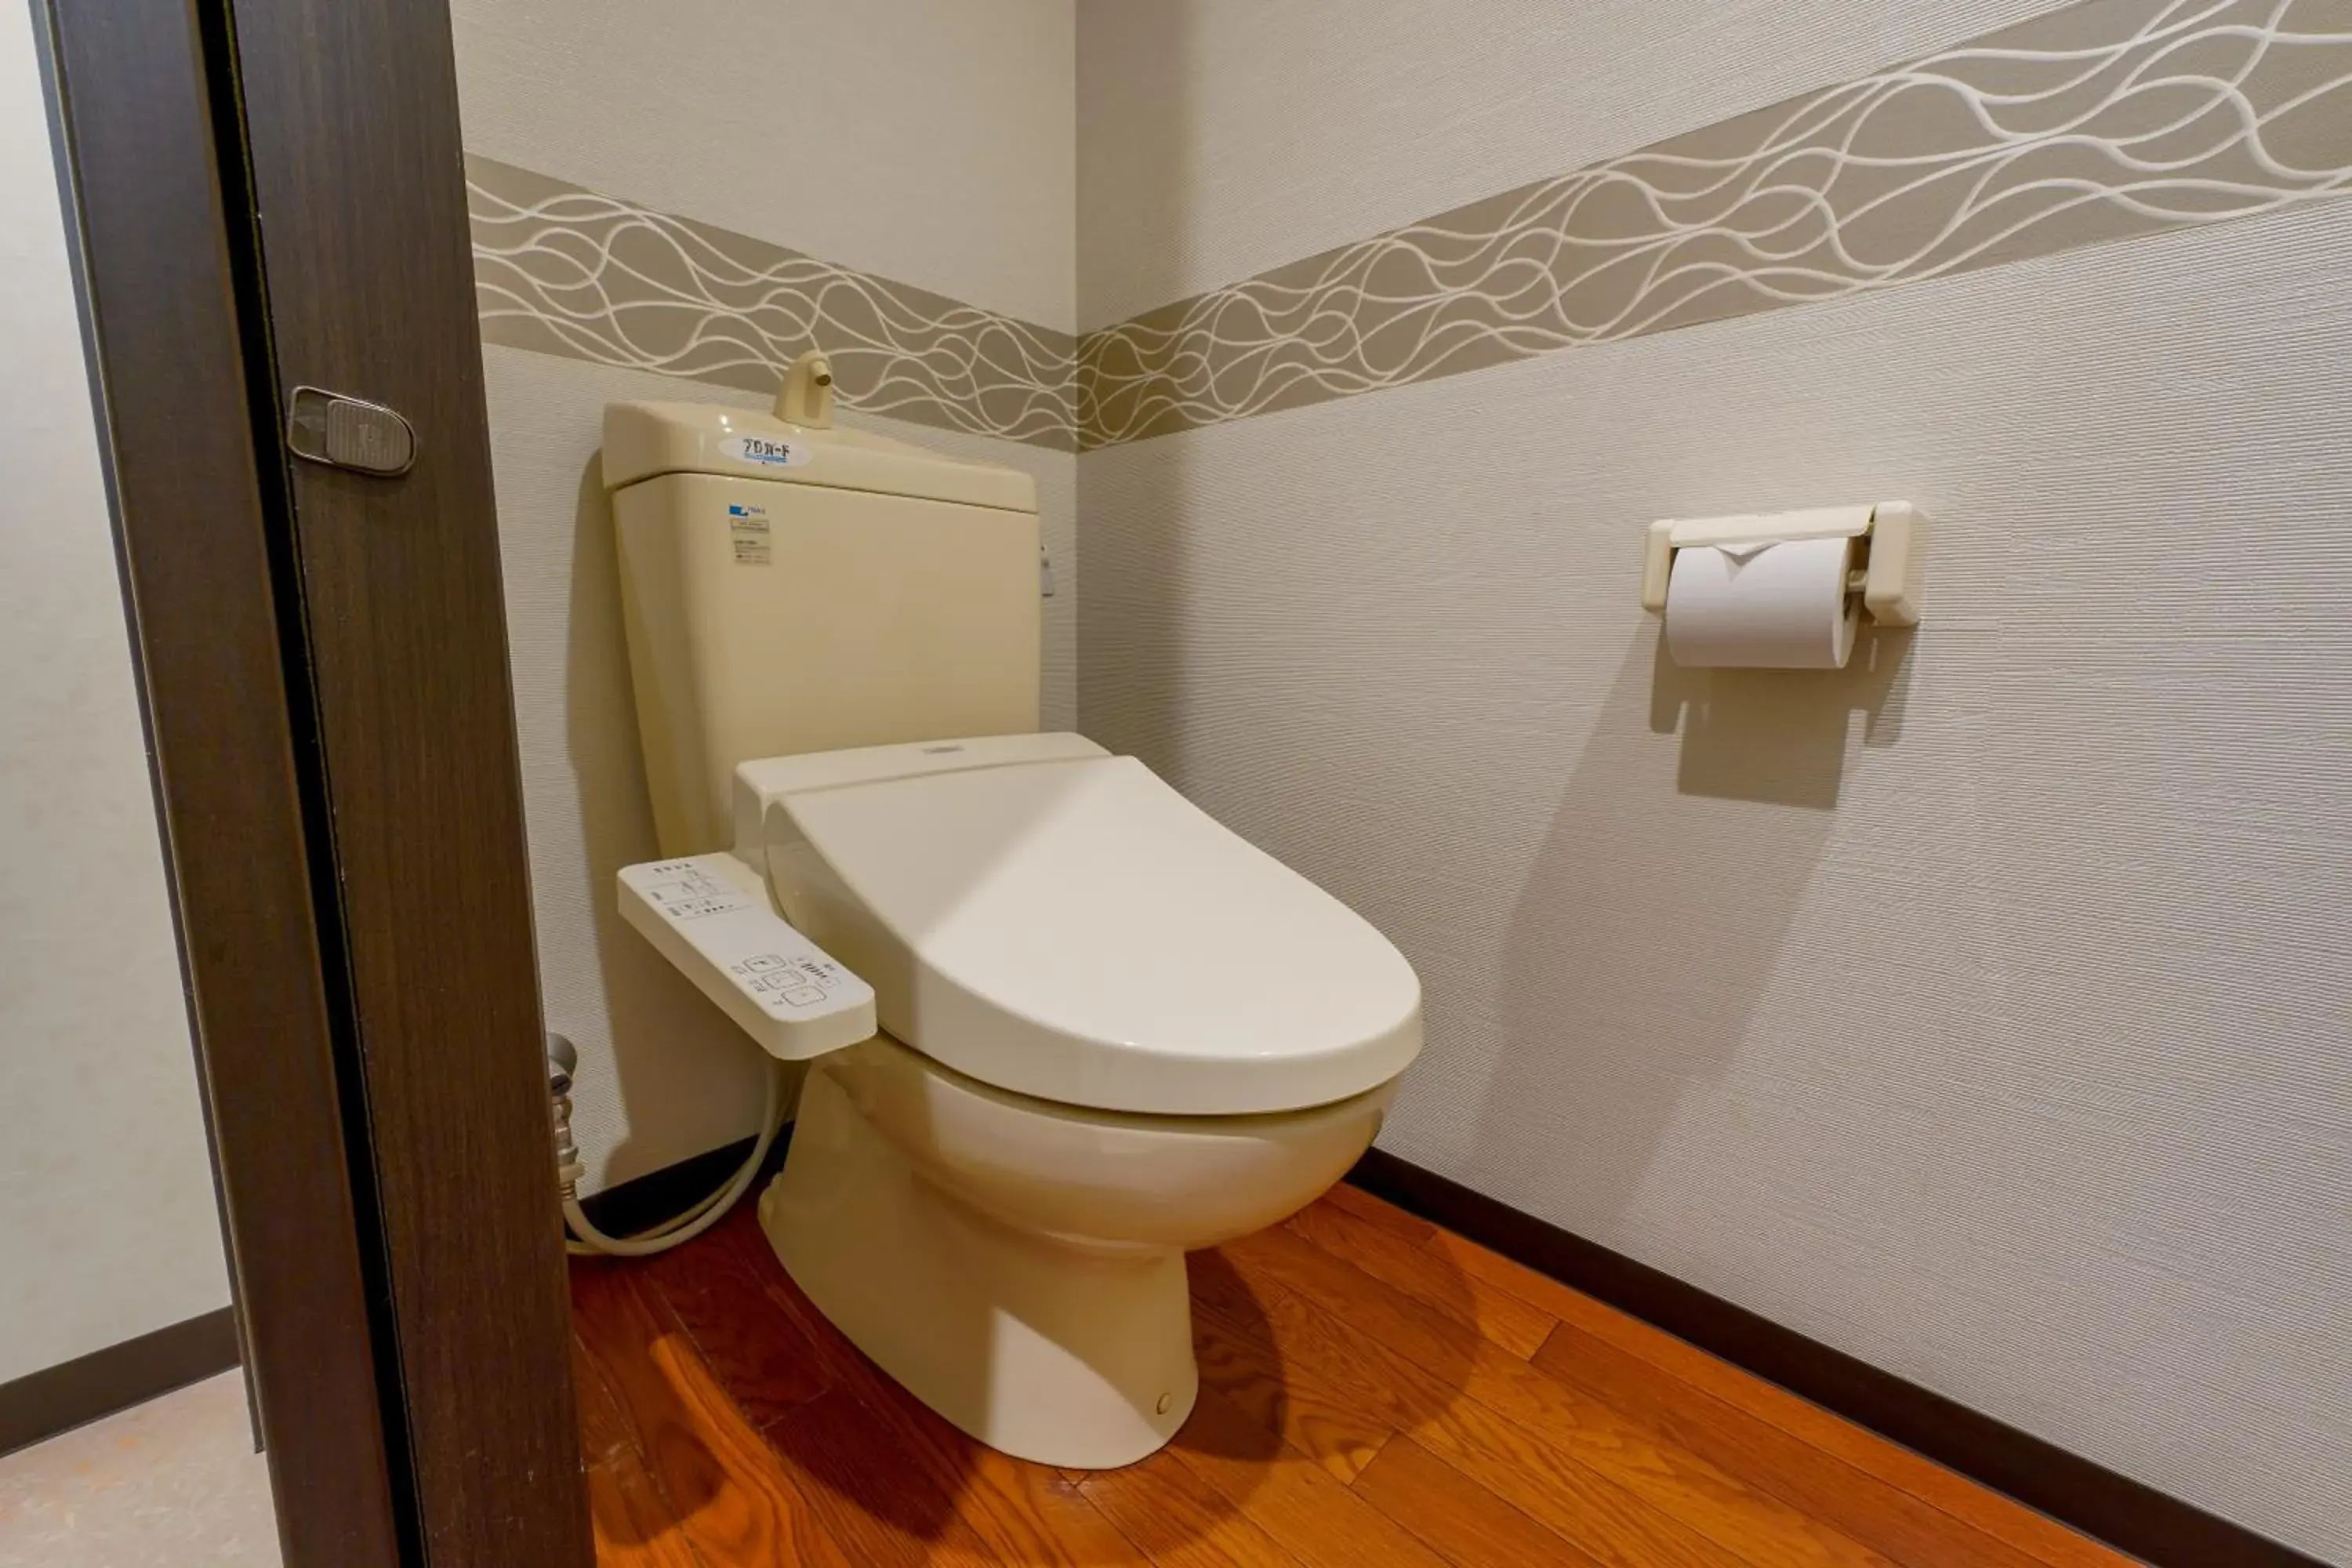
{"points": [[1076, 930]]}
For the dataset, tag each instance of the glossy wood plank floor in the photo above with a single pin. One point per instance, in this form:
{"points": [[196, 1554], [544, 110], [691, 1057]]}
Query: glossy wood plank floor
{"points": [[1374, 1391]]}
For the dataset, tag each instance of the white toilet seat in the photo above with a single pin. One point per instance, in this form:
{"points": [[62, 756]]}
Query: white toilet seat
{"points": [[1051, 920]]}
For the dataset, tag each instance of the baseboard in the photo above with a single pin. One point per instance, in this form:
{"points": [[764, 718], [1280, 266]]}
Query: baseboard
{"points": [[2127, 1514], [58, 1399], [642, 1202]]}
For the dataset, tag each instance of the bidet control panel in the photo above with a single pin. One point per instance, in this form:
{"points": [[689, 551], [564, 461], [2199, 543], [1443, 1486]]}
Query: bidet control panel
{"points": [[709, 915]]}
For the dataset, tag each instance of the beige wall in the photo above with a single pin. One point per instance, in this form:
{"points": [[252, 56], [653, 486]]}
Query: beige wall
{"points": [[108, 1227], [924, 140], [1221, 138], [1981, 1010], [928, 141]]}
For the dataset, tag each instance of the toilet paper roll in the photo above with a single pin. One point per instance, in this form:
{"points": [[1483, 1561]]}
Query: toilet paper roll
{"points": [[1780, 605]]}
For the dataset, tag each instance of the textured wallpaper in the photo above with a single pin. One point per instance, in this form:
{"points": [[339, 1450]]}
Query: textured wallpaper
{"points": [[567, 271], [2103, 121], [2099, 122], [927, 141], [1979, 1009]]}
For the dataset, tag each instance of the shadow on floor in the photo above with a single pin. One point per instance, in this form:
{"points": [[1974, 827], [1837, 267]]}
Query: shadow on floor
{"points": [[717, 1403]]}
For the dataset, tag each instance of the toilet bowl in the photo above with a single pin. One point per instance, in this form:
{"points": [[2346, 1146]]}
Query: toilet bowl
{"points": [[1019, 1265], [1111, 1029], [1113, 1032]]}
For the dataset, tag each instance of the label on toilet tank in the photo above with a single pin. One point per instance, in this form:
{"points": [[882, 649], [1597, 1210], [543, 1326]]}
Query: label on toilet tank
{"points": [[767, 451], [684, 891], [747, 525]]}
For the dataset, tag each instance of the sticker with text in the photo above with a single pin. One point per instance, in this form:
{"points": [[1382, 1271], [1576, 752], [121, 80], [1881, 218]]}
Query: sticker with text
{"points": [[767, 451]]}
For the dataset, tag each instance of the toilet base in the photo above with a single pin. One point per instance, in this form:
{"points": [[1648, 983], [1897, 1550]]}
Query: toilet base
{"points": [[1036, 1348]]}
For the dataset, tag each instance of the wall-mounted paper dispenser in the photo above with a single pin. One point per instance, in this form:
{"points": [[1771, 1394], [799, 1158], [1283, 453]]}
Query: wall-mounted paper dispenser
{"points": [[1783, 589]]}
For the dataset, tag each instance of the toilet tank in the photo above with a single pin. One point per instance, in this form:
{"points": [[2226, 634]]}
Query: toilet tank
{"points": [[788, 590]]}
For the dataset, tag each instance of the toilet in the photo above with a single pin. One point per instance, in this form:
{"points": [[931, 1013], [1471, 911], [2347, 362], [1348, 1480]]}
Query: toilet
{"points": [[1111, 1030]]}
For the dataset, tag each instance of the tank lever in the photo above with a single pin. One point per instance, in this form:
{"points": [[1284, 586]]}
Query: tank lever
{"points": [[805, 399]]}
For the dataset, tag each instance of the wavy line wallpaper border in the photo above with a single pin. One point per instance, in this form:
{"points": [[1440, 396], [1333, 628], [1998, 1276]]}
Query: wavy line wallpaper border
{"points": [[565, 270], [2106, 120], [2102, 121]]}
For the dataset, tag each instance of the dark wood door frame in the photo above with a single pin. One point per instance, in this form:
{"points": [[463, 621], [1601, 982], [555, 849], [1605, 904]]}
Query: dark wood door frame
{"points": [[352, 137], [162, 318], [323, 666]]}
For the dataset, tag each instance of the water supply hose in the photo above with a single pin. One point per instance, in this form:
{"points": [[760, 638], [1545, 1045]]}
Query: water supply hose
{"points": [[586, 1240]]}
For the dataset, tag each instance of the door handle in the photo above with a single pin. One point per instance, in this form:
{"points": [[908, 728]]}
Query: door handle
{"points": [[346, 432]]}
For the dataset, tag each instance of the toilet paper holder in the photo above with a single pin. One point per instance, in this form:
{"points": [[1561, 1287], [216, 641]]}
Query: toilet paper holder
{"points": [[1890, 535]]}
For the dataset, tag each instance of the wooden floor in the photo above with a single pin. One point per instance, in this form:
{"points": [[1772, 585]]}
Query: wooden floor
{"points": [[1374, 1392]]}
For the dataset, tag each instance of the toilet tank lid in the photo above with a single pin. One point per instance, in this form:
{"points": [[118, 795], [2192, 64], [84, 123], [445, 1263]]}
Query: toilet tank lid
{"points": [[643, 440]]}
